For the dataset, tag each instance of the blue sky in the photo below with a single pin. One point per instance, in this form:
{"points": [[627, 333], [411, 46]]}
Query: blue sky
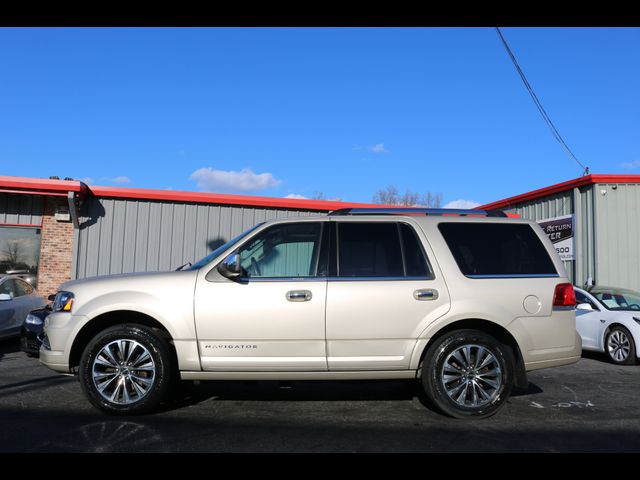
{"points": [[293, 111]]}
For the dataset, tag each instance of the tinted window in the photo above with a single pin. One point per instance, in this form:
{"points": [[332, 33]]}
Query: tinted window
{"points": [[415, 259], [618, 298], [497, 249], [289, 250], [23, 288], [203, 261], [14, 288], [369, 250], [582, 298]]}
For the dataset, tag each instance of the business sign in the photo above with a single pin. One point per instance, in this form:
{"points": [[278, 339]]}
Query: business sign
{"points": [[560, 232]]}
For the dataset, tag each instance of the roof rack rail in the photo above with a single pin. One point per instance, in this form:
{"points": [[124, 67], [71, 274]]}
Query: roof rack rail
{"points": [[416, 210]]}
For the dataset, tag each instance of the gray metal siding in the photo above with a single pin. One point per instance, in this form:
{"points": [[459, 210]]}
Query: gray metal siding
{"points": [[548, 207], [617, 219], [19, 209], [584, 235], [121, 236]]}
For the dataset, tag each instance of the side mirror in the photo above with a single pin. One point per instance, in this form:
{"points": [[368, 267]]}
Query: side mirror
{"points": [[230, 267], [584, 306], [4, 297]]}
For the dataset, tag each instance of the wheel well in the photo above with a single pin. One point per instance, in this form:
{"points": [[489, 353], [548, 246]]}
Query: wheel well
{"points": [[106, 320], [493, 329], [608, 329]]}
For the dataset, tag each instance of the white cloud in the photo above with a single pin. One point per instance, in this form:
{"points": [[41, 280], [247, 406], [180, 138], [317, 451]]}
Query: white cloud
{"points": [[245, 180], [460, 203], [296, 196], [631, 165], [120, 180], [87, 180], [378, 148]]}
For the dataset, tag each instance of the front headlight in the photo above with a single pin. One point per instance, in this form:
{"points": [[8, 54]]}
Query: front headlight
{"points": [[63, 302], [33, 320]]}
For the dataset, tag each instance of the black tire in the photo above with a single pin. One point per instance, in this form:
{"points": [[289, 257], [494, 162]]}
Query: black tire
{"points": [[499, 371], [621, 343], [155, 376]]}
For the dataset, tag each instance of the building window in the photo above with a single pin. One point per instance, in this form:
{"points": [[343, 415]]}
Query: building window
{"points": [[20, 252]]}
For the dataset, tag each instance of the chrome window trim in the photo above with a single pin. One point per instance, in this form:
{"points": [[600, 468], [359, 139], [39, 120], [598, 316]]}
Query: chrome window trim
{"points": [[379, 279], [332, 279], [513, 275], [281, 279]]}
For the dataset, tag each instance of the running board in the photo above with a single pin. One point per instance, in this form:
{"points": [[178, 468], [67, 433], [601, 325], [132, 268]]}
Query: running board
{"points": [[347, 375]]}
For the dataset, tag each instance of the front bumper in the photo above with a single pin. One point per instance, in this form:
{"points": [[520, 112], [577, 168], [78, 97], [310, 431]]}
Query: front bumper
{"points": [[31, 339], [55, 360], [60, 330]]}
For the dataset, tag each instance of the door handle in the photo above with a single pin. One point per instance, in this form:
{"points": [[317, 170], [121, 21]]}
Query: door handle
{"points": [[299, 295], [426, 294]]}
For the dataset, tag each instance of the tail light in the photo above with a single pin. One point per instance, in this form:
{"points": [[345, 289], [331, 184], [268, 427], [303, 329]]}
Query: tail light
{"points": [[564, 296]]}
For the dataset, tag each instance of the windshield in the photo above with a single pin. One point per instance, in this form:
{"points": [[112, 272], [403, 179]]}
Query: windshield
{"points": [[617, 298], [203, 261]]}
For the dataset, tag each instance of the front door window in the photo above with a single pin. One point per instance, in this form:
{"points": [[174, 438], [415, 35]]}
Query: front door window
{"points": [[289, 251]]}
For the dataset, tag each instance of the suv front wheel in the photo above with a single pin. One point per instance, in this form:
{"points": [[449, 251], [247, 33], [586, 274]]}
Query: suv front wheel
{"points": [[467, 373], [126, 369]]}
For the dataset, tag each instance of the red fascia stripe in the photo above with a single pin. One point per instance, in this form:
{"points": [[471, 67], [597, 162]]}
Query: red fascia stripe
{"points": [[33, 192], [22, 225], [560, 187], [225, 199], [39, 185]]}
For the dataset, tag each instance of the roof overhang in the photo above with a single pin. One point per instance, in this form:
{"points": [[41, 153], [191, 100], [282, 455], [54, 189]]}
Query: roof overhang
{"points": [[222, 199], [559, 188], [38, 186], [74, 189]]}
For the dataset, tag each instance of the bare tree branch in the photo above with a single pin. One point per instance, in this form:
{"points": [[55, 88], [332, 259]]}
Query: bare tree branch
{"points": [[391, 196]]}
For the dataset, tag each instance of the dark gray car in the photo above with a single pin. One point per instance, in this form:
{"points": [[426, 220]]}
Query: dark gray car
{"points": [[17, 299]]}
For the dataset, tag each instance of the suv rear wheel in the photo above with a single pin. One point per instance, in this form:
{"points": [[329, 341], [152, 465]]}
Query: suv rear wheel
{"points": [[126, 369], [468, 373]]}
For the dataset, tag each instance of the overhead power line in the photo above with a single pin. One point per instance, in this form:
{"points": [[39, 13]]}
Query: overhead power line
{"points": [[534, 97]]}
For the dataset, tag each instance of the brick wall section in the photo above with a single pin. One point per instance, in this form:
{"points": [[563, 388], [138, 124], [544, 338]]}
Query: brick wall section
{"points": [[56, 249]]}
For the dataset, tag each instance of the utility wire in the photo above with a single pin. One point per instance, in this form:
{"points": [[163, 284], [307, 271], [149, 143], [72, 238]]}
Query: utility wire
{"points": [[545, 116]]}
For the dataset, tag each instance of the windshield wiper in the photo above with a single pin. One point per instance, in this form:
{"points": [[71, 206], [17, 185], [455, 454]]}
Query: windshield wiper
{"points": [[188, 264]]}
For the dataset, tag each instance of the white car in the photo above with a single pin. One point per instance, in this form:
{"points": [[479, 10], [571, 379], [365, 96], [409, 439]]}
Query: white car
{"points": [[608, 320]]}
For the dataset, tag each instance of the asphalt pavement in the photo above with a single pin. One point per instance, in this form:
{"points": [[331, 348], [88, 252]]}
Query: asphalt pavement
{"points": [[590, 406]]}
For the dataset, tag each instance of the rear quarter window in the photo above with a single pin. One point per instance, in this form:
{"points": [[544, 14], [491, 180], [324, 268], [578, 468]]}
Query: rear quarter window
{"points": [[484, 250]]}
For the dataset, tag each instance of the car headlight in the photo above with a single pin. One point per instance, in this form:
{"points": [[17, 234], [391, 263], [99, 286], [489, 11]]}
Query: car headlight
{"points": [[63, 302], [33, 320]]}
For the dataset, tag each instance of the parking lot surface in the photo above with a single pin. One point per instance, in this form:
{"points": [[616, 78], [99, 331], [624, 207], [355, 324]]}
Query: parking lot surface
{"points": [[587, 407]]}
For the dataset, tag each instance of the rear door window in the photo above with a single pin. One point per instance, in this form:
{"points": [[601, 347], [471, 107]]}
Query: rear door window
{"points": [[415, 259], [485, 250], [380, 249], [369, 250]]}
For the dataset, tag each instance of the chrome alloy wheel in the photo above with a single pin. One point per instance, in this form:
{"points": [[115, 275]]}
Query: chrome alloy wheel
{"points": [[123, 371], [619, 346], [471, 376]]}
